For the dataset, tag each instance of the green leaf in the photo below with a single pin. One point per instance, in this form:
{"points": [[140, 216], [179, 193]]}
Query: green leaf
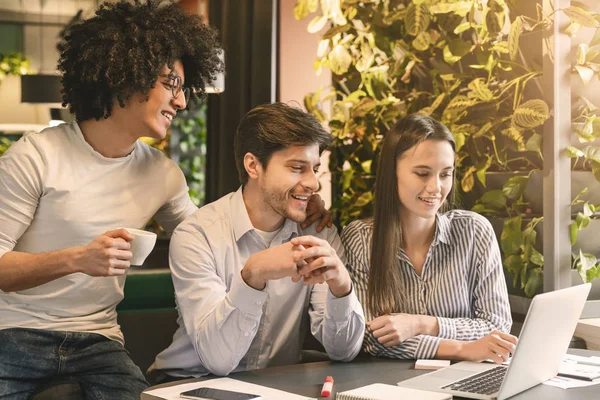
{"points": [[524, 275], [339, 60], [422, 41], [494, 21], [483, 130], [572, 29], [534, 281], [585, 73], [513, 265], [300, 9], [536, 257], [457, 104], [436, 103], [582, 51], [534, 143], [355, 96], [592, 153], [366, 105], [516, 136], [459, 140], [573, 232], [494, 199], [513, 38], [461, 8], [531, 114], [364, 199], [482, 172], [480, 90], [416, 19], [574, 152], [501, 47], [596, 171], [347, 177], [515, 187], [366, 166], [582, 221], [584, 263], [462, 27], [592, 273], [587, 209], [511, 238], [316, 24], [449, 57], [581, 17], [334, 30], [459, 47], [468, 180]]}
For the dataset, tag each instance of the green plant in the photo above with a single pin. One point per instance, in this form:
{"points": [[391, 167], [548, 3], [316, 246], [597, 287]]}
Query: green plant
{"points": [[192, 143], [459, 61], [4, 144], [13, 64]]}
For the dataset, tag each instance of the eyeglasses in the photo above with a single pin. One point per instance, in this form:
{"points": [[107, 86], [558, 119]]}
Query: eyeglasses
{"points": [[176, 87]]}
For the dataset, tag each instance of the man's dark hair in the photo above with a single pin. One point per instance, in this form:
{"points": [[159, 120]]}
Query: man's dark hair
{"points": [[272, 127], [121, 50]]}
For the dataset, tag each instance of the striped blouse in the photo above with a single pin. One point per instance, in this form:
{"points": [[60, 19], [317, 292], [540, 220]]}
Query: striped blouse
{"points": [[462, 283]]}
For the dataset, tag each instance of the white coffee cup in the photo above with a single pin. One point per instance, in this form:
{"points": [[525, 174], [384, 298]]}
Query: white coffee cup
{"points": [[141, 245]]}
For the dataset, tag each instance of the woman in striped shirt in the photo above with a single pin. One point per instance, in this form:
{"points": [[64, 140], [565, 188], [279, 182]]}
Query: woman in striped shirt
{"points": [[430, 282]]}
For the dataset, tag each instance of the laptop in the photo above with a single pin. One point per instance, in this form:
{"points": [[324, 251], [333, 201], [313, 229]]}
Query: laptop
{"points": [[545, 337]]}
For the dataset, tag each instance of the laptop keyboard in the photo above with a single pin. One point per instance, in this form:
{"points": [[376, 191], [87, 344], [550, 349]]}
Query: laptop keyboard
{"points": [[486, 382]]}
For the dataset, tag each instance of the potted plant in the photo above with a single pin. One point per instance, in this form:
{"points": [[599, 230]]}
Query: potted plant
{"points": [[13, 64]]}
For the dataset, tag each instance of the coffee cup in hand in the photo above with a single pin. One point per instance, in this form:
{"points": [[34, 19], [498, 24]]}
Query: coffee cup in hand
{"points": [[141, 245]]}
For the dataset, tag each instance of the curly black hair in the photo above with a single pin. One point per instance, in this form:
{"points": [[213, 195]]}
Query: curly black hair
{"points": [[120, 51]]}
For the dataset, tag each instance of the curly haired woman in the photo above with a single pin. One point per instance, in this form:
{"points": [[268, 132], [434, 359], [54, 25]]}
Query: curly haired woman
{"points": [[65, 192]]}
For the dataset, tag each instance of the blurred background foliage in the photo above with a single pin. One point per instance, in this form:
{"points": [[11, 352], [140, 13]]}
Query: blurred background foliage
{"points": [[462, 62]]}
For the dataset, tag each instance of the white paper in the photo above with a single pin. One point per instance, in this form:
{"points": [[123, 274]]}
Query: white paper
{"points": [[172, 392], [568, 383]]}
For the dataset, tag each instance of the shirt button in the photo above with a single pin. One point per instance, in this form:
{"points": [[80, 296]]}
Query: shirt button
{"points": [[246, 334]]}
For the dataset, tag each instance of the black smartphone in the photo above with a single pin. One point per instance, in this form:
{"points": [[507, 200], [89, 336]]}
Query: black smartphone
{"points": [[217, 394]]}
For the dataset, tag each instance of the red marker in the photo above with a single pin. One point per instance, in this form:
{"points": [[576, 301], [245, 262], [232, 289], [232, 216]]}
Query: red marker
{"points": [[327, 386]]}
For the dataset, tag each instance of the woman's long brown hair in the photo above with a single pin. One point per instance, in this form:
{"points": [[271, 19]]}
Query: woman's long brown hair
{"points": [[385, 290]]}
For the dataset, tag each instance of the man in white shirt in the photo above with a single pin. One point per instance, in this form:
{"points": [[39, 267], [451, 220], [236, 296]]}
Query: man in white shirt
{"points": [[249, 280], [65, 191]]}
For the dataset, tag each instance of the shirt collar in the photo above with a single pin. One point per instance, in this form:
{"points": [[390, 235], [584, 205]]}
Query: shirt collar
{"points": [[442, 230], [242, 224]]}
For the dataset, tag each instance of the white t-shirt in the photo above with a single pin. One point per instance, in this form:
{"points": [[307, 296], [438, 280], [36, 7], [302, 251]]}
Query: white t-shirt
{"points": [[57, 192]]}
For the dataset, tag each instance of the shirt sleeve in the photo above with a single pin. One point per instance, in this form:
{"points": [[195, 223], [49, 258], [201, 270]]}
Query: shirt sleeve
{"points": [[221, 324], [491, 308], [338, 323], [21, 186], [179, 205]]}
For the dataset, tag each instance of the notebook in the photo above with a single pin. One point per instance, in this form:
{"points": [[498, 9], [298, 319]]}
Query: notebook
{"points": [[381, 391]]}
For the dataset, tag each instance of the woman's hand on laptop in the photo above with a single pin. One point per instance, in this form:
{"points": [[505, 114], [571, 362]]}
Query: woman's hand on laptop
{"points": [[497, 346]]}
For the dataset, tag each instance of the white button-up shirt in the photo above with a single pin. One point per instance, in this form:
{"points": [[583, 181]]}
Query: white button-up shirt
{"points": [[224, 324]]}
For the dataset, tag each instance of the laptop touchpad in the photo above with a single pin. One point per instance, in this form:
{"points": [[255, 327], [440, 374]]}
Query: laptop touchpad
{"points": [[452, 374]]}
